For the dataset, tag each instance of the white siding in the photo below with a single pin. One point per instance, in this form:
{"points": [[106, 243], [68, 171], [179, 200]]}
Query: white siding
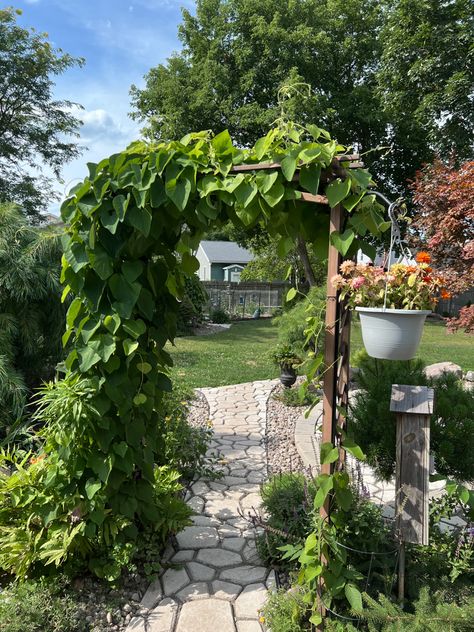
{"points": [[204, 271]]}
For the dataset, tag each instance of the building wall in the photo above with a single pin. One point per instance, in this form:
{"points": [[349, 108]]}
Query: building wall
{"points": [[217, 271], [222, 271], [204, 271]]}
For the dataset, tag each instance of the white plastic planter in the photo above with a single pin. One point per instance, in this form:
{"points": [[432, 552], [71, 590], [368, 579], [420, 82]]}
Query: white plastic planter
{"points": [[391, 334]]}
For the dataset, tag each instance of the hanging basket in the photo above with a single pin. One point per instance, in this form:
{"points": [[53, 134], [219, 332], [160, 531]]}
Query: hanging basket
{"points": [[391, 334]]}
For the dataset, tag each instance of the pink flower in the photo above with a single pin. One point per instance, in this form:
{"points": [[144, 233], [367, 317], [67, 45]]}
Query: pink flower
{"points": [[357, 282]]}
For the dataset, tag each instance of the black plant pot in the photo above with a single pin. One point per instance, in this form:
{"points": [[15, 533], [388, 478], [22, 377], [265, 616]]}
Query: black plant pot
{"points": [[287, 375]]}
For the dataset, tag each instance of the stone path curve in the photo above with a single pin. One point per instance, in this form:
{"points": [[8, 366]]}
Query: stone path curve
{"points": [[219, 582]]}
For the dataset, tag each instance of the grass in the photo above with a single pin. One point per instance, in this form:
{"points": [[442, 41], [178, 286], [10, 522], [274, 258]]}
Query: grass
{"points": [[242, 353], [239, 354], [436, 345]]}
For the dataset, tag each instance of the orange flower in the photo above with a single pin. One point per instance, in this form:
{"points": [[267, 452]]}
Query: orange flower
{"points": [[37, 459], [445, 293], [423, 257]]}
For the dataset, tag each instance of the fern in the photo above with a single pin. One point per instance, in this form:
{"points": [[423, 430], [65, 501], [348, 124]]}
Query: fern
{"points": [[430, 615]]}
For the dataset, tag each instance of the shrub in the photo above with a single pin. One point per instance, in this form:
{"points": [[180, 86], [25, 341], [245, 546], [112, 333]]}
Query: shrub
{"points": [[85, 533], [374, 426], [287, 498], [431, 613], [31, 313], [452, 429], [219, 316], [285, 611], [184, 446], [293, 322], [293, 397], [190, 311], [370, 419], [464, 320], [39, 606]]}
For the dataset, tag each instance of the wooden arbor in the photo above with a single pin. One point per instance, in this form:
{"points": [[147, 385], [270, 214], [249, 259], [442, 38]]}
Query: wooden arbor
{"points": [[337, 325]]}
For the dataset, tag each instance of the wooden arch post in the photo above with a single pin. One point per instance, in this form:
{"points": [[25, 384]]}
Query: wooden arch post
{"points": [[337, 324], [336, 350]]}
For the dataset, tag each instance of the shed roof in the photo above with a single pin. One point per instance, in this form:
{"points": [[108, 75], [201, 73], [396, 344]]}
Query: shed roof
{"points": [[225, 252]]}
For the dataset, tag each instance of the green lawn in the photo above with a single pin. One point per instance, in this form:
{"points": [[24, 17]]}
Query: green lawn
{"points": [[239, 354], [242, 353], [436, 345]]}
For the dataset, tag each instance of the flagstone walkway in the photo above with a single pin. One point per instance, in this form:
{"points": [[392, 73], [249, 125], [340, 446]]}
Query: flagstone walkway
{"points": [[218, 582]]}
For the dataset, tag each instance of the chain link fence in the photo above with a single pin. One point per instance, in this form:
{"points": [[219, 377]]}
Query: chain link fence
{"points": [[241, 300]]}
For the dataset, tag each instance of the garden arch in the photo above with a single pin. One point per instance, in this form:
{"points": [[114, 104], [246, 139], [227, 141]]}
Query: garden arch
{"points": [[132, 228]]}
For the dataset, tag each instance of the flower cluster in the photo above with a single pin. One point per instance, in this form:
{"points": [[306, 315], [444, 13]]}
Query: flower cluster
{"points": [[406, 286]]}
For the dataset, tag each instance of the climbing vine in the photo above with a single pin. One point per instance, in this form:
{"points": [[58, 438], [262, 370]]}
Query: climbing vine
{"points": [[132, 228]]}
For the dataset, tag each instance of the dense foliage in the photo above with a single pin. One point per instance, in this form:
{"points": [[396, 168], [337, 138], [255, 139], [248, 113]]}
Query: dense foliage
{"points": [[452, 423], [293, 533], [394, 74], [191, 308], [133, 225], [444, 221], [299, 266], [464, 320], [31, 313], [287, 499], [42, 605], [426, 78], [293, 322], [34, 127]]}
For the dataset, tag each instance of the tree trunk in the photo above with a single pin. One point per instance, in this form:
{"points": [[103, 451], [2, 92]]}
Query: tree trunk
{"points": [[303, 255]]}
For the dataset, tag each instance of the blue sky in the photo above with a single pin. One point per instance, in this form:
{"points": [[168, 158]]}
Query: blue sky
{"points": [[120, 41]]}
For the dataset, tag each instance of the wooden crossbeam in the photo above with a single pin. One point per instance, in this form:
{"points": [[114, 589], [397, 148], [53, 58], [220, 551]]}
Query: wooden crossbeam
{"points": [[352, 159]]}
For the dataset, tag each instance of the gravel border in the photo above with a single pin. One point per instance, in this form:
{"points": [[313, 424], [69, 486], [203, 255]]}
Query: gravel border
{"points": [[282, 455], [198, 415]]}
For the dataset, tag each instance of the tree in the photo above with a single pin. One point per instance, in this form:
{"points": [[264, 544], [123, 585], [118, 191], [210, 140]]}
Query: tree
{"points": [[31, 313], [270, 263], [237, 53], [426, 76], [370, 85], [444, 223], [33, 126]]}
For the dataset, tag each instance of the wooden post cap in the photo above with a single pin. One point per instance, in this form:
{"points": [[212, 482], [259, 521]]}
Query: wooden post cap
{"points": [[416, 400]]}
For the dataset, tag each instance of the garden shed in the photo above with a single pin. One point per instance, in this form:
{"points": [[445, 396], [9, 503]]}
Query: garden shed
{"points": [[221, 260]]}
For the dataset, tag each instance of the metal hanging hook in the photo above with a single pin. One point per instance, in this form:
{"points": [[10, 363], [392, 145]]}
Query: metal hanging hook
{"points": [[395, 237]]}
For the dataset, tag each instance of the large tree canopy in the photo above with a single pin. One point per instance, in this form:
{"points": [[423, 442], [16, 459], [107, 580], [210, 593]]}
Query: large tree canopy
{"points": [[370, 85], [426, 77], [236, 54], [34, 127]]}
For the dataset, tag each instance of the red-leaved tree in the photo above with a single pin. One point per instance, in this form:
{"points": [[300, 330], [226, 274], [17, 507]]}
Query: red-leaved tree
{"points": [[444, 221]]}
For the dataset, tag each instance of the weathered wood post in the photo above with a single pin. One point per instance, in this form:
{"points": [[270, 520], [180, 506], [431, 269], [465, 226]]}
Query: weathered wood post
{"points": [[413, 406]]}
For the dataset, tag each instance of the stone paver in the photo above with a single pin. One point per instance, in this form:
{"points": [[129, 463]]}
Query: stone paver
{"points": [[217, 581], [207, 615]]}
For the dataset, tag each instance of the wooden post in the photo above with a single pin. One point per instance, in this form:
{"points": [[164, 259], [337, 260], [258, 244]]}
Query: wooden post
{"points": [[413, 406], [330, 343]]}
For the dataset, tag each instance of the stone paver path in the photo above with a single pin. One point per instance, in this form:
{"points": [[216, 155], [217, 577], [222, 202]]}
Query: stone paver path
{"points": [[218, 582]]}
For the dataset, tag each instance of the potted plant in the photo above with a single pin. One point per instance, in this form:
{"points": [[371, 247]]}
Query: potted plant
{"points": [[287, 359], [392, 304]]}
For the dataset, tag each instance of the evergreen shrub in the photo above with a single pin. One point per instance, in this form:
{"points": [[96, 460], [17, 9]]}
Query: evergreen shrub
{"points": [[374, 426]]}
